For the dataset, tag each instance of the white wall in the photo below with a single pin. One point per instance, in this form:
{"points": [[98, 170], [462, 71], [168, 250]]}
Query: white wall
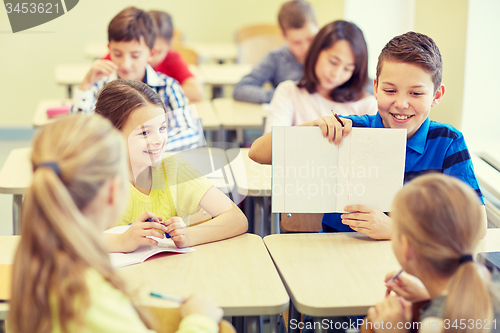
{"points": [[481, 108], [380, 20]]}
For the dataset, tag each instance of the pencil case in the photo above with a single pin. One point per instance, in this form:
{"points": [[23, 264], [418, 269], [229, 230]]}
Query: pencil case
{"points": [[58, 110]]}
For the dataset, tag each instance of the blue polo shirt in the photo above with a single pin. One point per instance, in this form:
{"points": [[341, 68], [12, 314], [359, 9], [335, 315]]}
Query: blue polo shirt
{"points": [[435, 147]]}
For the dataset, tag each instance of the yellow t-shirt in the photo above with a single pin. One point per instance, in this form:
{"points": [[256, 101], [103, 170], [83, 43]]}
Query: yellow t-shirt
{"points": [[110, 311], [177, 189]]}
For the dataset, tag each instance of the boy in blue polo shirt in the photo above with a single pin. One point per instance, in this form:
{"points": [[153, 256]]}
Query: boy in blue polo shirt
{"points": [[408, 84]]}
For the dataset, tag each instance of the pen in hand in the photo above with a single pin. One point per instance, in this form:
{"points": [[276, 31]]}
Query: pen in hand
{"points": [[391, 280], [338, 118]]}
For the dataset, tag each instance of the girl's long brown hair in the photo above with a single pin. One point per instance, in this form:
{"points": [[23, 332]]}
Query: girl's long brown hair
{"points": [[442, 219], [58, 243]]}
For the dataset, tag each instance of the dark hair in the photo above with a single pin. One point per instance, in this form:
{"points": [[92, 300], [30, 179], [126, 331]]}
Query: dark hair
{"points": [[414, 48], [119, 98], [331, 33], [295, 14], [131, 24], [163, 24]]}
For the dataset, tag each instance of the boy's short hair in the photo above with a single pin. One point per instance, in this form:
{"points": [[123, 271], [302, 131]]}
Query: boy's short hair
{"points": [[296, 14], [414, 48], [131, 24], [163, 24]]}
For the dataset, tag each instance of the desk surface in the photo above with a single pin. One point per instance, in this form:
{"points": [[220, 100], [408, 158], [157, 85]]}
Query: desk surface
{"points": [[215, 74], [16, 173], [15, 176], [215, 51], [206, 113], [40, 118], [204, 109], [252, 179], [71, 74], [237, 274], [339, 274], [233, 114]]}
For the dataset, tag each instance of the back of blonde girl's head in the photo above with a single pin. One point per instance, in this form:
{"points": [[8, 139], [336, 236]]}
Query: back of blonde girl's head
{"points": [[442, 219], [58, 243]]}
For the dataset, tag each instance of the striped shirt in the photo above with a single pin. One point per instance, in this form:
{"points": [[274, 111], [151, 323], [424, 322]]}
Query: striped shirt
{"points": [[183, 130], [435, 147]]}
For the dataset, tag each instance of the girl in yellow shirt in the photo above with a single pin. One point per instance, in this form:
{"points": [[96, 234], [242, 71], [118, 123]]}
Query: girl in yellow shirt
{"points": [[62, 276], [166, 190]]}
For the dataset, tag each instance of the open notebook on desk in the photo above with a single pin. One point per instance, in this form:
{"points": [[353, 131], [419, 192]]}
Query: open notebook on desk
{"points": [[144, 251], [312, 175]]}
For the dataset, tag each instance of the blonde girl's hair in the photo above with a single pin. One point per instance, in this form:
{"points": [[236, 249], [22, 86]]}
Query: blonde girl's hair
{"points": [[442, 219], [58, 243]]}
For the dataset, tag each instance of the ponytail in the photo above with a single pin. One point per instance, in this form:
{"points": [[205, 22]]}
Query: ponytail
{"points": [[469, 299], [72, 158], [442, 219]]}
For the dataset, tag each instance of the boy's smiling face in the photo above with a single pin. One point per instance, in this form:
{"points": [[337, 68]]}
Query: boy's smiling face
{"points": [[405, 95], [131, 58]]}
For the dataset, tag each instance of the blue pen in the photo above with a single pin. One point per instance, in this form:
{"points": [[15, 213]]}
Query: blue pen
{"points": [[152, 220], [169, 297]]}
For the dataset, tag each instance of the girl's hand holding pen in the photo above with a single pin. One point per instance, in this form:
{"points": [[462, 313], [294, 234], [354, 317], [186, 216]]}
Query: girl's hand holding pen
{"points": [[135, 236], [406, 286], [332, 127], [177, 230]]}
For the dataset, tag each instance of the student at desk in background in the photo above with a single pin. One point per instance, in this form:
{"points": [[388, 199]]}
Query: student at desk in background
{"points": [[436, 228], [63, 280], [298, 25], [168, 61], [335, 78], [408, 85], [131, 35], [166, 189]]}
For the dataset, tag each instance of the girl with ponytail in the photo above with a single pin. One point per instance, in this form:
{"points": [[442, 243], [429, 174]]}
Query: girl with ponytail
{"points": [[62, 277], [437, 225]]}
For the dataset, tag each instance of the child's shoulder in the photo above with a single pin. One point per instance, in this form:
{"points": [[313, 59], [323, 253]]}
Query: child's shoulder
{"points": [[442, 130]]}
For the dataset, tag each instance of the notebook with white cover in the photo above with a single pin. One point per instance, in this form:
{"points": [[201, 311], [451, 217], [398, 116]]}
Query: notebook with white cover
{"points": [[144, 251], [312, 175]]}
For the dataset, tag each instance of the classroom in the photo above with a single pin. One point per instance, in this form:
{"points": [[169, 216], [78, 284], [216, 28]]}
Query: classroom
{"points": [[200, 204]]}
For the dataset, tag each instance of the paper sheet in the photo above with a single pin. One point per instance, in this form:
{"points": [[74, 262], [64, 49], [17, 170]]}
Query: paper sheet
{"points": [[312, 175]]}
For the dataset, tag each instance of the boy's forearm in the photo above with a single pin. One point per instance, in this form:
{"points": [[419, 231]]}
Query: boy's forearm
{"points": [[262, 149], [192, 89], [228, 224]]}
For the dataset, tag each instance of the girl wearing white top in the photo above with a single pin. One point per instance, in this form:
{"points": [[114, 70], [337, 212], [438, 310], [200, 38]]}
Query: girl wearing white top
{"points": [[335, 78]]}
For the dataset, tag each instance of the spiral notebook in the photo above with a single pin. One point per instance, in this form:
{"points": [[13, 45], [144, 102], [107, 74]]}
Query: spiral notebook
{"points": [[312, 175]]}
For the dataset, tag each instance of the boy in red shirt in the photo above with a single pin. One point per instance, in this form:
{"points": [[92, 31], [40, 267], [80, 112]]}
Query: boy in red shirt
{"points": [[170, 62]]}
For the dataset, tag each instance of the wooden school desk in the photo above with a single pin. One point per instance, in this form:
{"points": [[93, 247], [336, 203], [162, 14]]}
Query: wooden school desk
{"points": [[237, 274], [15, 178], [204, 110], [16, 174], [95, 50], [219, 52], [216, 75], [239, 116], [8, 246], [70, 75], [253, 180], [339, 274]]}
